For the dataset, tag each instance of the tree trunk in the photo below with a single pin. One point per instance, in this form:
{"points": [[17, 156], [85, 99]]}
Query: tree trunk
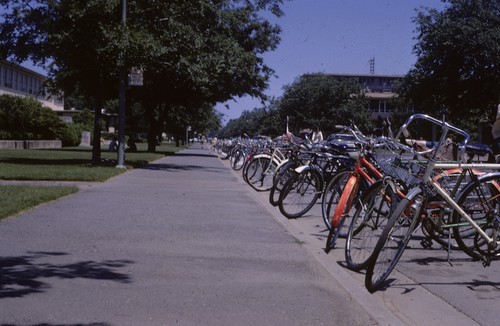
{"points": [[96, 144], [152, 129]]}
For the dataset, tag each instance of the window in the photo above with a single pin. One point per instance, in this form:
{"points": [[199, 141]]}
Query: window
{"points": [[10, 77], [381, 106], [16, 76]]}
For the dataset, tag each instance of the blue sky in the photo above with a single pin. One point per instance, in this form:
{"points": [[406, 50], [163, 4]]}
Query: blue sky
{"points": [[338, 36]]}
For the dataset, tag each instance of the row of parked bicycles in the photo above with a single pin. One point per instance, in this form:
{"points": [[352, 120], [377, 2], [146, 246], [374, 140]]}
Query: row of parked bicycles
{"points": [[378, 196]]}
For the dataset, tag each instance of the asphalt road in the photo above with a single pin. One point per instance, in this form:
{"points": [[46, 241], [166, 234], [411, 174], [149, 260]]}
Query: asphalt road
{"points": [[185, 241]]}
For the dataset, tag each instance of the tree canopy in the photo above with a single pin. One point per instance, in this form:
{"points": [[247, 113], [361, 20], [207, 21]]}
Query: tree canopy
{"points": [[458, 52], [194, 53], [324, 101], [311, 100]]}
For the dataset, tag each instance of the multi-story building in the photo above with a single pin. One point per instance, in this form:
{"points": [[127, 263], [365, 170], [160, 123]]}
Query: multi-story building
{"points": [[17, 80]]}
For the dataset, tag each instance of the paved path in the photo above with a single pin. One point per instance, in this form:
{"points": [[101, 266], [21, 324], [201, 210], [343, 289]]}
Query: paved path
{"points": [[179, 242], [185, 241]]}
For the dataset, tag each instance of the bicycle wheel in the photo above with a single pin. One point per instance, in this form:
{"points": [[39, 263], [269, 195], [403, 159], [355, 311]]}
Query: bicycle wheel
{"points": [[333, 234], [331, 195], [368, 223], [392, 242], [300, 193], [437, 223], [245, 170], [238, 159], [480, 199], [259, 173], [281, 176]]}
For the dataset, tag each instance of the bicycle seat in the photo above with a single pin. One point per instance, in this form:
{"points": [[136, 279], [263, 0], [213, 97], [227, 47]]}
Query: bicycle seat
{"points": [[479, 152], [477, 149]]}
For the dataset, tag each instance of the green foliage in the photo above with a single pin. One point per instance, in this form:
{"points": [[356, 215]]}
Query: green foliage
{"points": [[324, 101], [458, 53], [26, 118], [259, 121], [70, 134], [193, 53], [312, 100], [85, 119]]}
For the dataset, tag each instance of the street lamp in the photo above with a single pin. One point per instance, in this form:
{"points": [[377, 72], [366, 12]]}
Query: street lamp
{"points": [[121, 101]]}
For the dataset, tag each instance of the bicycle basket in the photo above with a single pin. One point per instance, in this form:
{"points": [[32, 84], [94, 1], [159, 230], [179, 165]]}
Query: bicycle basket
{"points": [[400, 162]]}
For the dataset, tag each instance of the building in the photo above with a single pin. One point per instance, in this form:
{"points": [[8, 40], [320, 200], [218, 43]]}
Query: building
{"points": [[20, 81], [379, 89]]}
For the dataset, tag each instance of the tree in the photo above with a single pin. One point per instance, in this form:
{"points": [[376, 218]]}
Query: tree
{"points": [[26, 118], [457, 68], [194, 53], [204, 52], [78, 43], [324, 101]]}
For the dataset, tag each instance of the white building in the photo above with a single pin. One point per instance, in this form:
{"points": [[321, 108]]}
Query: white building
{"points": [[17, 80]]}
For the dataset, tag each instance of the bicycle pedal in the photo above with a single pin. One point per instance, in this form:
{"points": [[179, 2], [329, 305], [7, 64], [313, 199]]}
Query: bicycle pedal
{"points": [[486, 262], [426, 243]]}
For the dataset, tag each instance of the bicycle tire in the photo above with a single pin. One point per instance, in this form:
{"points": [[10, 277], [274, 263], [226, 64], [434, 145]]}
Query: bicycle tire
{"points": [[282, 174], [238, 160], [260, 173], [392, 242], [432, 227], [333, 235], [245, 172], [368, 223], [480, 199], [300, 193], [331, 195]]}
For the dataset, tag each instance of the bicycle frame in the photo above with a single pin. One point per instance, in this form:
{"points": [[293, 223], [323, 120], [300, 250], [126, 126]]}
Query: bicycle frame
{"points": [[361, 171], [428, 180]]}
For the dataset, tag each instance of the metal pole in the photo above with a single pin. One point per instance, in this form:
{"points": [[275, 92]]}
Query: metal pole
{"points": [[121, 101]]}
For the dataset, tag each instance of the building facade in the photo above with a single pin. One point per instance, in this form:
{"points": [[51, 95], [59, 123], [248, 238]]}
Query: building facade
{"points": [[20, 81]]}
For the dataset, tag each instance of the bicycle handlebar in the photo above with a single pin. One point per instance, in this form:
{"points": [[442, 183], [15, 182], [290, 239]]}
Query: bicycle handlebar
{"points": [[355, 132], [444, 125]]}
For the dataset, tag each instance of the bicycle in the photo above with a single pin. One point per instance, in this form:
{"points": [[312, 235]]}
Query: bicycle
{"points": [[260, 168], [379, 201], [474, 210], [304, 187], [344, 192]]}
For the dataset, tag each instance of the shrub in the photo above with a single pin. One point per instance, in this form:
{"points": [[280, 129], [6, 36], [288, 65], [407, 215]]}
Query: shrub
{"points": [[26, 118]]}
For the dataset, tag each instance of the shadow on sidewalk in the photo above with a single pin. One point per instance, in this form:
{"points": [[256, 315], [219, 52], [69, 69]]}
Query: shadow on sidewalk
{"points": [[23, 275], [180, 167], [207, 155]]}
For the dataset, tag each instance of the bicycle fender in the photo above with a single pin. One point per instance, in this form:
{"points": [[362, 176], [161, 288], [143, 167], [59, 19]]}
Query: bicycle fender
{"points": [[303, 168], [280, 164], [413, 192], [262, 155]]}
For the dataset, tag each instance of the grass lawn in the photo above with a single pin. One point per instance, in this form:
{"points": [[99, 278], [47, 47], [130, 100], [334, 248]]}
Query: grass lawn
{"points": [[15, 199], [72, 164], [66, 164]]}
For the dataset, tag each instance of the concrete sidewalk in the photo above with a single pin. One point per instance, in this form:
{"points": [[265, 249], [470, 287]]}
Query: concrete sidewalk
{"points": [[184, 241]]}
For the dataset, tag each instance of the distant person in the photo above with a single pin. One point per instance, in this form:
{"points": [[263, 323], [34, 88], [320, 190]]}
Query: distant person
{"points": [[113, 146], [202, 140], [317, 136]]}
